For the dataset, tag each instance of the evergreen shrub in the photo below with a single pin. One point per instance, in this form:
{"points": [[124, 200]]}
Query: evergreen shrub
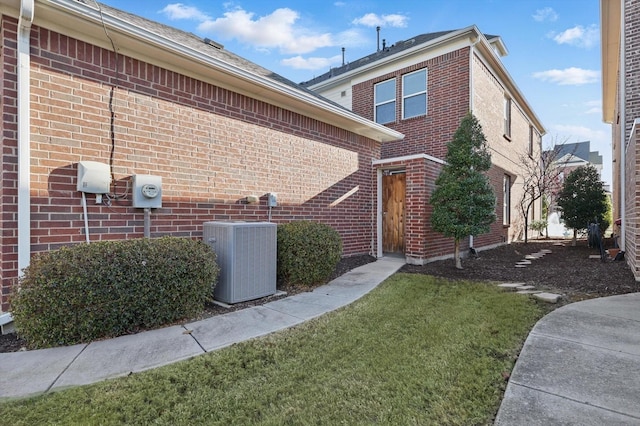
{"points": [[105, 289], [308, 252]]}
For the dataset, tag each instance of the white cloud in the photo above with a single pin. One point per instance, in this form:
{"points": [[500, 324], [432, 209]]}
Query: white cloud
{"points": [[176, 11], [569, 76], [578, 36], [298, 62], [374, 20], [276, 30], [594, 107], [582, 133], [545, 14]]}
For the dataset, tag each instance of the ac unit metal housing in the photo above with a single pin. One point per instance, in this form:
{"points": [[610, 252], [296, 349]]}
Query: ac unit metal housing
{"points": [[246, 254]]}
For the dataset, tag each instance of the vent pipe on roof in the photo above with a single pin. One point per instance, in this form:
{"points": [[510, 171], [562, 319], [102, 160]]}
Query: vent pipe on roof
{"points": [[378, 30], [343, 49], [384, 43]]}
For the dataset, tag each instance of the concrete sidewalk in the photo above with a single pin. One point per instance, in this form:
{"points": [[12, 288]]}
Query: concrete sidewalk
{"points": [[34, 372], [580, 365]]}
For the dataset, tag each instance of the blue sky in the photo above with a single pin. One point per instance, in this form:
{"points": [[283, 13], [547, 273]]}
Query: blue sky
{"points": [[554, 46]]}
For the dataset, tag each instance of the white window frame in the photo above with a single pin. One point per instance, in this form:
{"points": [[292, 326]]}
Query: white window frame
{"points": [[377, 104], [507, 117], [406, 96], [506, 200]]}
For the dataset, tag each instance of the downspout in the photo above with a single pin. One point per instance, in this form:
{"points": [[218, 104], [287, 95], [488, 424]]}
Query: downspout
{"points": [[25, 20], [623, 142], [472, 50]]}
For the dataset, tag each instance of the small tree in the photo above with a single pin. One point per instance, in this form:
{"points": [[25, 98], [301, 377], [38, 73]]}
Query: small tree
{"points": [[583, 200], [463, 200], [540, 172]]}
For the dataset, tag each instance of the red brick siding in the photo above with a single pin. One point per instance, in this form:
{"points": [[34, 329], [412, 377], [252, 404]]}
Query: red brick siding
{"points": [[447, 102], [632, 152], [212, 148]]}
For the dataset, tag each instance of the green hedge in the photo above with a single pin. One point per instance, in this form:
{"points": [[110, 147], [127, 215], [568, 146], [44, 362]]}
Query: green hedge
{"points": [[106, 289], [308, 252]]}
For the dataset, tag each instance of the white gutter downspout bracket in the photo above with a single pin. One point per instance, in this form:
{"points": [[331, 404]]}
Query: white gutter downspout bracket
{"points": [[27, 9]]}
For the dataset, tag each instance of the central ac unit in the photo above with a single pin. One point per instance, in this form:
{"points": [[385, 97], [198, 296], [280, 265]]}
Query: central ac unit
{"points": [[246, 254]]}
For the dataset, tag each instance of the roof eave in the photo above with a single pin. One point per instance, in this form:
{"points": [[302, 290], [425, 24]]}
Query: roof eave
{"points": [[485, 47], [610, 14], [153, 48]]}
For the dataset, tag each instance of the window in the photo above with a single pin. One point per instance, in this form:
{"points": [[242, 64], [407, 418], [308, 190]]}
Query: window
{"points": [[531, 133], [506, 200], [385, 101], [414, 94], [507, 118]]}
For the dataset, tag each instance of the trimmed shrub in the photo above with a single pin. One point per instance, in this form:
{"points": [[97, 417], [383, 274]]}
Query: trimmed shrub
{"points": [[308, 252], [105, 289]]}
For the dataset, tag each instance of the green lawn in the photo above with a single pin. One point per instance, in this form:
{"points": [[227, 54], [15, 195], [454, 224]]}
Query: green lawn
{"points": [[416, 350]]}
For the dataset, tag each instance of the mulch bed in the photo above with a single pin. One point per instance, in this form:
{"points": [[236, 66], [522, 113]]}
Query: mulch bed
{"points": [[567, 270]]}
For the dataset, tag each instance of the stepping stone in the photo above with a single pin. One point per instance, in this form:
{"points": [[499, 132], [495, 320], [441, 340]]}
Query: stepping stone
{"points": [[528, 292], [545, 251], [520, 266], [524, 262], [526, 287], [559, 244], [548, 297], [594, 256], [531, 257], [510, 286]]}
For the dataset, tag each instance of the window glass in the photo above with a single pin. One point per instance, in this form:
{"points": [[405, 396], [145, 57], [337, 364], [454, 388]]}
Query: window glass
{"points": [[414, 94], [385, 101], [507, 117], [415, 105], [506, 200], [386, 113]]}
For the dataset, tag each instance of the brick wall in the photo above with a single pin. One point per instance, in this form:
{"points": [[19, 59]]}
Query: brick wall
{"points": [[632, 112], [508, 154], [447, 103], [212, 148]]}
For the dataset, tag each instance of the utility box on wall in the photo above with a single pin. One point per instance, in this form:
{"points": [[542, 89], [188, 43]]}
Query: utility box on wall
{"points": [[147, 191], [93, 177], [246, 254]]}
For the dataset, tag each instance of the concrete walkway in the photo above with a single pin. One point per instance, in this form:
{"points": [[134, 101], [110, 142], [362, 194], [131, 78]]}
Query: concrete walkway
{"points": [[35, 372], [580, 365]]}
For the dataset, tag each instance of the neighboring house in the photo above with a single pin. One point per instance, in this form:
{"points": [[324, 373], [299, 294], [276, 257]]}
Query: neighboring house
{"points": [[423, 87], [620, 35], [573, 155], [567, 157], [215, 128]]}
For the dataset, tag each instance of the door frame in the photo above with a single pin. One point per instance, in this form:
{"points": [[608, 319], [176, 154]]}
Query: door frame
{"points": [[379, 208]]}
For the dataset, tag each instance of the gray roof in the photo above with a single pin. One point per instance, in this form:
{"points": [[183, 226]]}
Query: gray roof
{"points": [[580, 150], [382, 53], [375, 56]]}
